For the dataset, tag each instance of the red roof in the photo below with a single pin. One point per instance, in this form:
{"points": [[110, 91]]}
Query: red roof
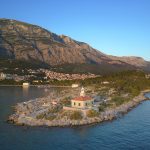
{"points": [[83, 98]]}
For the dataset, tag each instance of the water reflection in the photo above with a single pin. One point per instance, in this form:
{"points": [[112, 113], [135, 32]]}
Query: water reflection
{"points": [[25, 90]]}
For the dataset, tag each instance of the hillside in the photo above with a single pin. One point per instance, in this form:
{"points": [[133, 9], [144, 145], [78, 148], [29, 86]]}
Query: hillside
{"points": [[36, 45]]}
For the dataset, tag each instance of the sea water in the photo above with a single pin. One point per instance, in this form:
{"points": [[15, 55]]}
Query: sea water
{"points": [[129, 132]]}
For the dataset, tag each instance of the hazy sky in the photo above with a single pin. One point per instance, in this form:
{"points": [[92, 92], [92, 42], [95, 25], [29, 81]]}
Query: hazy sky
{"points": [[115, 27]]}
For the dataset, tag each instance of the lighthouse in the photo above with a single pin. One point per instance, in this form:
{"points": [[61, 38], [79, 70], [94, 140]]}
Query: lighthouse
{"points": [[82, 93]]}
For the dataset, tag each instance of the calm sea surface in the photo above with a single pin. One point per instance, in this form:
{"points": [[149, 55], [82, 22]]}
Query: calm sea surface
{"points": [[129, 132]]}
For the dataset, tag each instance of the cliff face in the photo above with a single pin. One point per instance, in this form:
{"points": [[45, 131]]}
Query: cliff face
{"points": [[23, 41]]}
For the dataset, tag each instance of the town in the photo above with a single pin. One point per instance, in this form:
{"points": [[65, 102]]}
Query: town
{"points": [[42, 76]]}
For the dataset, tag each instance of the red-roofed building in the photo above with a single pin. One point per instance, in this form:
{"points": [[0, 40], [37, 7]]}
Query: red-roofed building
{"points": [[82, 101]]}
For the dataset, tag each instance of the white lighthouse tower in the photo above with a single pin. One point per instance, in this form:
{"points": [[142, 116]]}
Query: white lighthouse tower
{"points": [[82, 93]]}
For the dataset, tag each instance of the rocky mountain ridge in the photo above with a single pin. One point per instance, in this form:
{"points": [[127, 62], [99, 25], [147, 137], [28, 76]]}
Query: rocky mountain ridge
{"points": [[23, 41]]}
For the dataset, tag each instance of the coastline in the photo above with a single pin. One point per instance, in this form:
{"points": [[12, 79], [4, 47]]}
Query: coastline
{"points": [[40, 85], [107, 115]]}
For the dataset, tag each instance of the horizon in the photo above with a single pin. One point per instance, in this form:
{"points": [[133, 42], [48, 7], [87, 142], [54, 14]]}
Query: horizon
{"points": [[119, 29]]}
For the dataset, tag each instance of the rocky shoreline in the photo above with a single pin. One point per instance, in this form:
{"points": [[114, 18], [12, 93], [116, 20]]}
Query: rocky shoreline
{"points": [[20, 118]]}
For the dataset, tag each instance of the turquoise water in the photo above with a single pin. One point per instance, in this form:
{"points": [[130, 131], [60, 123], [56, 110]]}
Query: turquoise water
{"points": [[131, 131]]}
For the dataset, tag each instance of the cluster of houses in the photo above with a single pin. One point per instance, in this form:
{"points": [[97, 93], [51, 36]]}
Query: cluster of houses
{"points": [[40, 75], [15, 77], [62, 76], [51, 75]]}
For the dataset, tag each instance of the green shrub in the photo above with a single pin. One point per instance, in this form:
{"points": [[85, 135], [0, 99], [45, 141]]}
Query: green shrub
{"points": [[54, 110], [65, 113], [118, 100], [103, 106], [66, 101], [76, 115], [92, 113], [51, 117], [40, 116]]}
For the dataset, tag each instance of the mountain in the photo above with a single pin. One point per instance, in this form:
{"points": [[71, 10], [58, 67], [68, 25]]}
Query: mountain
{"points": [[34, 44]]}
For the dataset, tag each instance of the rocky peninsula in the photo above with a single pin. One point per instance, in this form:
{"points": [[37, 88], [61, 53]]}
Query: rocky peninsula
{"points": [[49, 112]]}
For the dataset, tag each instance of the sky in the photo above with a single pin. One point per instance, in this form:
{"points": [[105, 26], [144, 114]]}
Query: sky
{"points": [[115, 27]]}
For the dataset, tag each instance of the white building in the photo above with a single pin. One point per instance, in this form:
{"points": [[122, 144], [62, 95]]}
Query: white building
{"points": [[26, 84], [82, 101], [2, 76], [74, 85], [147, 76]]}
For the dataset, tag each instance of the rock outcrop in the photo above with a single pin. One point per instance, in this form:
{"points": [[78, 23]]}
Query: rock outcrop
{"points": [[24, 117]]}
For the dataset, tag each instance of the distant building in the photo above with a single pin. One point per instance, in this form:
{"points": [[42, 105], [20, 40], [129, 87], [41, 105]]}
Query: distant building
{"points": [[35, 81], [147, 76], [2, 76], [9, 77], [74, 85], [26, 84], [105, 82]]}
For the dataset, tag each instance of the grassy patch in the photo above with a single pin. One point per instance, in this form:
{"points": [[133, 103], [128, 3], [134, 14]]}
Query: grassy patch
{"points": [[50, 117], [92, 113], [76, 115], [118, 100], [103, 106], [40, 116], [66, 101]]}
